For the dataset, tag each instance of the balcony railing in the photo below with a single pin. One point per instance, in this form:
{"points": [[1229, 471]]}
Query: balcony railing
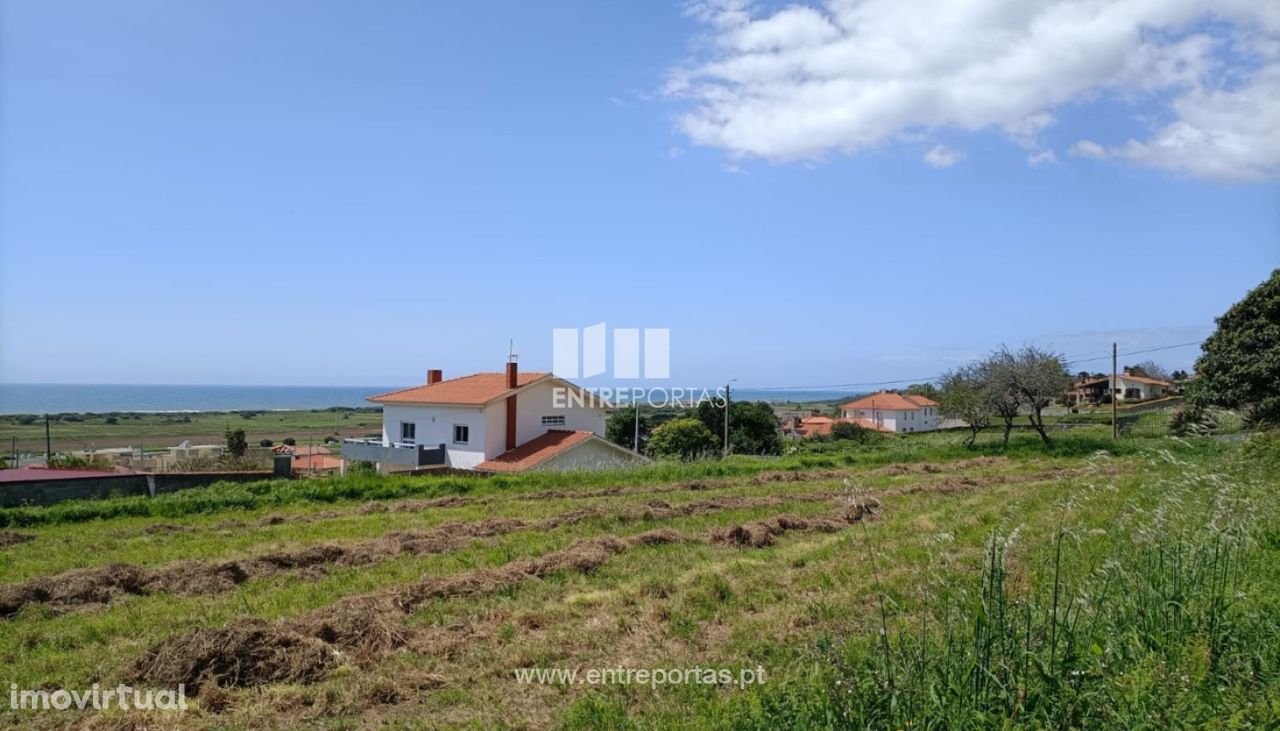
{"points": [[397, 453]]}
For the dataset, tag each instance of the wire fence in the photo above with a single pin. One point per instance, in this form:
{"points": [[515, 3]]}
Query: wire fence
{"points": [[1162, 424]]}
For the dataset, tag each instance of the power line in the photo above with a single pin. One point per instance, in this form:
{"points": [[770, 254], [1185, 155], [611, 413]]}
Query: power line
{"points": [[1075, 360]]}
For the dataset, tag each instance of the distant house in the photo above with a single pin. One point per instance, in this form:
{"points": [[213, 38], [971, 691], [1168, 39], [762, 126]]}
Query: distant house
{"points": [[892, 412], [491, 422], [811, 426], [1127, 387]]}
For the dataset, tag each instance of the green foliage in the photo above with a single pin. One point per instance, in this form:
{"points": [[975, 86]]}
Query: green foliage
{"points": [[1240, 363], [753, 426], [290, 441], [621, 427], [1192, 418], [237, 446], [966, 396], [77, 462], [265, 443], [851, 432], [928, 390], [685, 438], [1263, 449]]}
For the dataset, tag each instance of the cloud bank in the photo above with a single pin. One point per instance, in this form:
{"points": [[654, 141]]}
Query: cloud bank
{"points": [[806, 81]]}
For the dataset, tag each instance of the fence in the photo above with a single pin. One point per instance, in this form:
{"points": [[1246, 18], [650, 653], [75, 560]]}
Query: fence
{"points": [[51, 491], [1160, 424]]}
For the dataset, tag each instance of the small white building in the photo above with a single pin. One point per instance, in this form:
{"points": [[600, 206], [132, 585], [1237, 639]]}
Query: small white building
{"points": [[492, 422], [1126, 387], [892, 412]]}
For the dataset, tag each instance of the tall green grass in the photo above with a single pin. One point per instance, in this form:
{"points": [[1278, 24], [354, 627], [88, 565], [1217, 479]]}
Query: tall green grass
{"points": [[1170, 621]]}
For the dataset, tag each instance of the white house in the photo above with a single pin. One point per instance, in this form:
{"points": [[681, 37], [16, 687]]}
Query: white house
{"points": [[1126, 387], [492, 422], [891, 412]]}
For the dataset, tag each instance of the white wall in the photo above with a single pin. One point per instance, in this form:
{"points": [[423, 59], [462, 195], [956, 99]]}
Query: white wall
{"points": [[537, 402], [434, 425], [901, 421], [590, 455]]}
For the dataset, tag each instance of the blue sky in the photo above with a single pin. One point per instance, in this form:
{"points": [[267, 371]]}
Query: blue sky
{"points": [[351, 193]]}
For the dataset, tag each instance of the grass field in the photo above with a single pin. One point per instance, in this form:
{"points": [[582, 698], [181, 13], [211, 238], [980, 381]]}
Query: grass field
{"points": [[122, 429], [915, 583]]}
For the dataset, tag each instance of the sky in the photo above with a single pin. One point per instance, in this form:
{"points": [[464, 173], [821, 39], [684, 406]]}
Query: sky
{"points": [[312, 193]]}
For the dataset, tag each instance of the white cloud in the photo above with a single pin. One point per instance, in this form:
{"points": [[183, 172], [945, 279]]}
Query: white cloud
{"points": [[807, 81], [1044, 157], [1088, 148], [943, 157]]}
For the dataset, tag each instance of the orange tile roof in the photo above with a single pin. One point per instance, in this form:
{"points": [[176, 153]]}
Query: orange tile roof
{"points": [[823, 424], [317, 462], [535, 451], [811, 425], [475, 390], [890, 401], [1123, 377]]}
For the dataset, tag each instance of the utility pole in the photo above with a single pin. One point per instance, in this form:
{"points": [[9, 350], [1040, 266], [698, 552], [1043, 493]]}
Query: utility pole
{"points": [[726, 419], [636, 443], [1115, 426], [48, 443]]}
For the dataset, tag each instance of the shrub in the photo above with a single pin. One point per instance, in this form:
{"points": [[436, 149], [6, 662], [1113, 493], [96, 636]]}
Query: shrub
{"points": [[290, 441], [266, 443], [76, 462], [1264, 449], [110, 420], [685, 438], [236, 443], [1191, 419], [851, 432]]}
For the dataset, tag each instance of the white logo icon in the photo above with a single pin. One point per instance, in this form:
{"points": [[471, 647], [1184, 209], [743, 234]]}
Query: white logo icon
{"points": [[626, 351]]}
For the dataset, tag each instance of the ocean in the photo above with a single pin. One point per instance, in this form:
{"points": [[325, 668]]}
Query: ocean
{"points": [[54, 398]]}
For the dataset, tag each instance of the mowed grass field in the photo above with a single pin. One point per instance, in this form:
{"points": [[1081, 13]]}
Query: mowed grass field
{"points": [[911, 584], [124, 429]]}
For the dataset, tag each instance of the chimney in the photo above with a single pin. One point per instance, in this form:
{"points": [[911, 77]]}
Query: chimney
{"points": [[434, 376], [512, 380]]}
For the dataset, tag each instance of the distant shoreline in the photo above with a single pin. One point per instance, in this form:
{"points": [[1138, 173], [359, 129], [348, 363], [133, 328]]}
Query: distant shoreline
{"points": [[100, 399]]}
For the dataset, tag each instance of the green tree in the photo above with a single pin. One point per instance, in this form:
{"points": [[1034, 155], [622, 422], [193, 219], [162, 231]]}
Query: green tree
{"points": [[1240, 363], [621, 427], [996, 374], [686, 438], [753, 426], [928, 390], [236, 443], [964, 396], [1038, 376]]}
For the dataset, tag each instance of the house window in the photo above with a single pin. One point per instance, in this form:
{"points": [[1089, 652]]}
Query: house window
{"points": [[553, 420], [408, 432], [461, 433]]}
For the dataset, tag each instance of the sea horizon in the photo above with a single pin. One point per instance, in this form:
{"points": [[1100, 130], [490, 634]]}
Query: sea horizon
{"points": [[99, 398]]}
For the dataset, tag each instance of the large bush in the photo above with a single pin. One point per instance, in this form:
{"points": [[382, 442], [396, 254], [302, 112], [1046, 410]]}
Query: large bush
{"points": [[685, 438], [1240, 365]]}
